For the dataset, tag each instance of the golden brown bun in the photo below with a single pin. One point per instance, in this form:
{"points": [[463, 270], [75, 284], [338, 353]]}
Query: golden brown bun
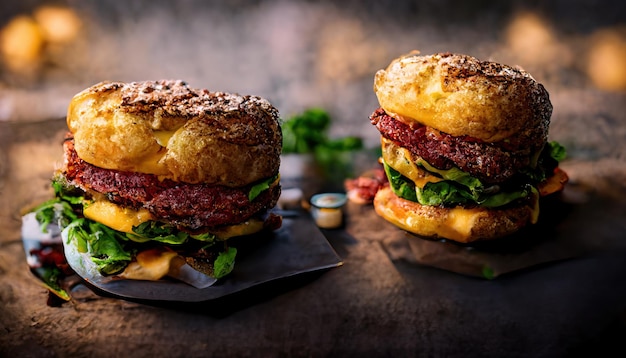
{"points": [[176, 132], [460, 95], [458, 224]]}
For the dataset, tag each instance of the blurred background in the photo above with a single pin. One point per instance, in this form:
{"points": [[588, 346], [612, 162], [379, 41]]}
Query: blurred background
{"points": [[299, 54]]}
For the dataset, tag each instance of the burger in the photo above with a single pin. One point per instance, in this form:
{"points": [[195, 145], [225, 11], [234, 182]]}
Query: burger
{"points": [[464, 146], [157, 174]]}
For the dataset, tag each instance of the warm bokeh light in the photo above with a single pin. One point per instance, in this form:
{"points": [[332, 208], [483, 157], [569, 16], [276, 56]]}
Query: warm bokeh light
{"points": [[533, 41], [21, 42], [58, 25], [606, 61], [529, 36], [537, 44], [346, 52], [26, 40]]}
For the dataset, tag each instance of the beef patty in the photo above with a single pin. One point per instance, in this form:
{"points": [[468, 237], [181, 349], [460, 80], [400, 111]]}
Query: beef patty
{"points": [[490, 162], [190, 207]]}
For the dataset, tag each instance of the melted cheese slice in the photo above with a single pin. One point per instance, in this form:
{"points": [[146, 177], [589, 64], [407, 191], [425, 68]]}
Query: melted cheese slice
{"points": [[151, 162], [400, 159], [246, 228], [115, 216], [152, 265], [163, 137], [123, 219], [459, 222]]}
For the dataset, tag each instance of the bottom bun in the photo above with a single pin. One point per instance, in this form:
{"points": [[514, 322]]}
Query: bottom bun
{"points": [[458, 223]]}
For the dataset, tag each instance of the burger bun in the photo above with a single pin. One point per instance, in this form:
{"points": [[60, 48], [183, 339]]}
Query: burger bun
{"points": [[463, 96], [171, 130]]}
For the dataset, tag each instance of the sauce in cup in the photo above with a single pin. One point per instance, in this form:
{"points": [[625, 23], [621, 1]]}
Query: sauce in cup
{"points": [[326, 209]]}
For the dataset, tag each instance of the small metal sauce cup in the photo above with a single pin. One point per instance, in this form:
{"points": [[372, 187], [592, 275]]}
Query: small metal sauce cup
{"points": [[327, 209]]}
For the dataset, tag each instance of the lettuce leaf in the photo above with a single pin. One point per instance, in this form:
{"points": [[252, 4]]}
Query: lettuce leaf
{"points": [[450, 192], [54, 211], [51, 278], [103, 244], [260, 187], [156, 231], [400, 185], [443, 193], [548, 160], [453, 174], [224, 263], [61, 209], [557, 151]]}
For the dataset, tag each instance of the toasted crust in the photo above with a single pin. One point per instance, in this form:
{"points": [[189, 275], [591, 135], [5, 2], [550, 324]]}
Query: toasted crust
{"points": [[461, 95], [171, 130], [457, 224]]}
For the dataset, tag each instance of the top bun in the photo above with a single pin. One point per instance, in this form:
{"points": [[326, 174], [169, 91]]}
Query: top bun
{"points": [[176, 132], [461, 95]]}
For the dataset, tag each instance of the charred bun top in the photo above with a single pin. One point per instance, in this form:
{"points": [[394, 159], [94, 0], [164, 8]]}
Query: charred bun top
{"points": [[168, 129], [461, 95]]}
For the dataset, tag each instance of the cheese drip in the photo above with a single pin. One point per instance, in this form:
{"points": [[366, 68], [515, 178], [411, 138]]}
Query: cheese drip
{"points": [[151, 163], [399, 158], [152, 265], [163, 137]]}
